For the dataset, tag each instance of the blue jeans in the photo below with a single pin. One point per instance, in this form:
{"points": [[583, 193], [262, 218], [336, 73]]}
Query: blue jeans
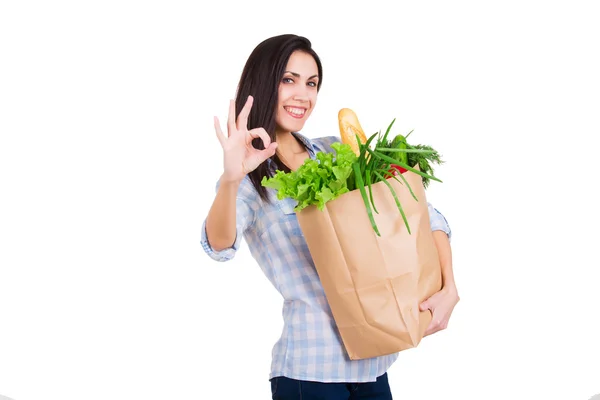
{"points": [[283, 388]]}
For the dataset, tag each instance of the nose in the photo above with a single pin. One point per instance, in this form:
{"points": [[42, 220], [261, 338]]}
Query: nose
{"points": [[301, 93]]}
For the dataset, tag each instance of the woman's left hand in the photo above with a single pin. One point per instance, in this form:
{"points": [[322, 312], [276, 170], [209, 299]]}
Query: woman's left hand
{"points": [[441, 305]]}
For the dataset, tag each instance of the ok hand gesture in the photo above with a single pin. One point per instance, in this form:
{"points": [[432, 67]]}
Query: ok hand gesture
{"points": [[240, 157]]}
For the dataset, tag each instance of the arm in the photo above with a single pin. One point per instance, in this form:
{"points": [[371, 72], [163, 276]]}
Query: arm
{"points": [[442, 243], [442, 235], [221, 219], [229, 216], [442, 303]]}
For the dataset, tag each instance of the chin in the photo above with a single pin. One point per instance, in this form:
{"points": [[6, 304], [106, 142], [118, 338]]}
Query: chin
{"points": [[290, 127], [296, 127], [293, 126]]}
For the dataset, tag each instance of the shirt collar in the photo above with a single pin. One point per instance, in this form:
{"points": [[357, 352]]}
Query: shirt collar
{"points": [[310, 145]]}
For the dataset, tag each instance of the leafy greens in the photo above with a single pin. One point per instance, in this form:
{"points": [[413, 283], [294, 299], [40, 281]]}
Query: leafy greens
{"points": [[317, 181]]}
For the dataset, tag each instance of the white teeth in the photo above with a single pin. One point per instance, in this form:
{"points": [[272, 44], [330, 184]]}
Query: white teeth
{"points": [[295, 111]]}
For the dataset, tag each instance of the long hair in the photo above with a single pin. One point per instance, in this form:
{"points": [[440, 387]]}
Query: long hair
{"points": [[260, 78]]}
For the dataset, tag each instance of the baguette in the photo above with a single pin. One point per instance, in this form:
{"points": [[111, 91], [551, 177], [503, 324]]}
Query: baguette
{"points": [[349, 128]]}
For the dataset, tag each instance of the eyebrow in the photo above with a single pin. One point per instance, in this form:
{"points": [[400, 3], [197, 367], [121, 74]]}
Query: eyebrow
{"points": [[297, 75]]}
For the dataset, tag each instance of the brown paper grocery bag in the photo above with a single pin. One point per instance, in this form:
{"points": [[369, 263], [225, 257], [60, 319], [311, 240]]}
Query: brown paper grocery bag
{"points": [[373, 284]]}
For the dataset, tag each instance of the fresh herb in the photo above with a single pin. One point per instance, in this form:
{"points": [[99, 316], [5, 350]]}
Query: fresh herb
{"points": [[424, 160]]}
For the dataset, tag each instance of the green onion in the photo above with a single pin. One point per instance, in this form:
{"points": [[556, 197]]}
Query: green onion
{"points": [[361, 187], [397, 201]]}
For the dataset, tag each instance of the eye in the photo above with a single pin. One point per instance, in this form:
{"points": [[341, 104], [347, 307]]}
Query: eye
{"points": [[312, 84], [287, 80]]}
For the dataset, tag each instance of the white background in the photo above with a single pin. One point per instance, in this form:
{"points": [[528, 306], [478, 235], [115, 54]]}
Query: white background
{"points": [[107, 153]]}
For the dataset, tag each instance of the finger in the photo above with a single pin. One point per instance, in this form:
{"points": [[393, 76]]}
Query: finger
{"points": [[431, 330], [439, 321], [231, 118], [260, 156], [434, 326], [260, 133], [431, 302], [268, 152], [220, 134], [432, 322], [242, 123]]}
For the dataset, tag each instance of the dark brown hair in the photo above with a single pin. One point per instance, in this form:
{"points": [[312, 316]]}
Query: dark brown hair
{"points": [[260, 78]]}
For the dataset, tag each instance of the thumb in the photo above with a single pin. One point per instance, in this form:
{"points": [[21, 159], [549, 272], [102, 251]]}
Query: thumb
{"points": [[431, 302], [269, 151], [260, 156], [428, 304]]}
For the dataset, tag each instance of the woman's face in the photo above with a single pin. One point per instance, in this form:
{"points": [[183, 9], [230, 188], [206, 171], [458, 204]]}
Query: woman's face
{"points": [[297, 92]]}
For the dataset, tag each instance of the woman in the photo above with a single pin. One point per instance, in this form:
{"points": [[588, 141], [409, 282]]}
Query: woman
{"points": [[276, 94]]}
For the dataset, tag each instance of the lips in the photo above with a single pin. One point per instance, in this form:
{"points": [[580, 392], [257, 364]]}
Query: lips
{"points": [[296, 112]]}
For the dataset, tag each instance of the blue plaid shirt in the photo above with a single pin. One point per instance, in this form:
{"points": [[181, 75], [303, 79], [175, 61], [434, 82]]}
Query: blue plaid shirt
{"points": [[310, 347]]}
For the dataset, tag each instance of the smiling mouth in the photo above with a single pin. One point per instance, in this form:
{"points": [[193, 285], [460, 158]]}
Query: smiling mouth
{"points": [[295, 111]]}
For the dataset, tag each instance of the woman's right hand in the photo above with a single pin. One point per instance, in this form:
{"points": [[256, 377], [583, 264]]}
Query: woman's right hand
{"points": [[240, 157]]}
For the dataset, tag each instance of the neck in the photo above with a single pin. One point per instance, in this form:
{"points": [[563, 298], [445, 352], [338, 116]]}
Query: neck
{"points": [[290, 151], [288, 144]]}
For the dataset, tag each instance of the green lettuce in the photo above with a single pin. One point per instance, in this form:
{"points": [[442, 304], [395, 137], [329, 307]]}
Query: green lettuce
{"points": [[316, 181]]}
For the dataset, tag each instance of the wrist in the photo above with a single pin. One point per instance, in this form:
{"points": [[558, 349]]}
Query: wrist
{"points": [[449, 288], [226, 180]]}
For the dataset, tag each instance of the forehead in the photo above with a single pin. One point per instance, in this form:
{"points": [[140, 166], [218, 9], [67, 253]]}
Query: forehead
{"points": [[302, 63]]}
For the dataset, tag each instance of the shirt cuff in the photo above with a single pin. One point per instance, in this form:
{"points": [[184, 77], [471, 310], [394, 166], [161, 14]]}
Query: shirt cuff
{"points": [[220, 255], [439, 222]]}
